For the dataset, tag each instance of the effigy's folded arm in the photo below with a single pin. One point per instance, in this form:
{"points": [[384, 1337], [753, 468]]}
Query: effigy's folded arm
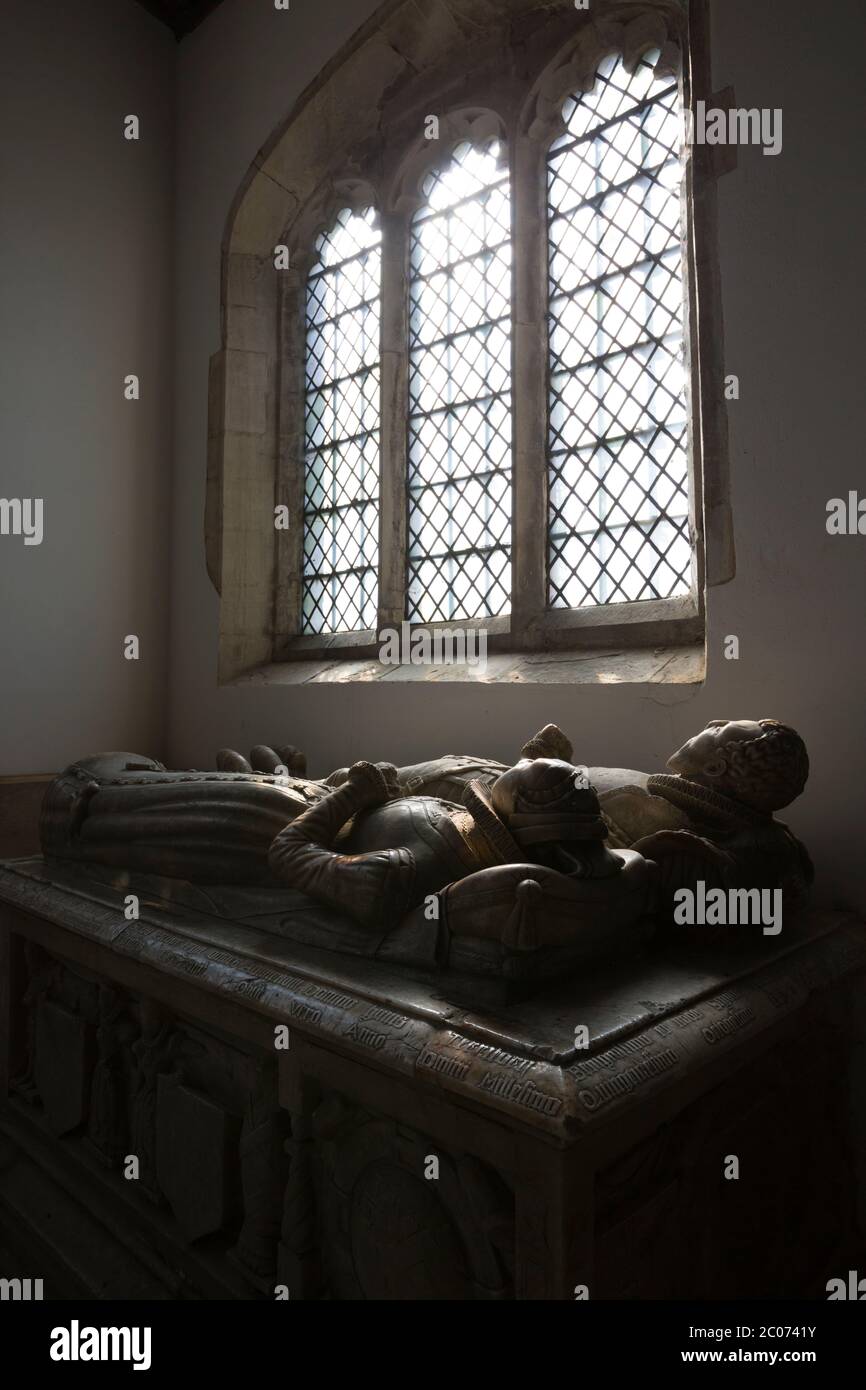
{"points": [[373, 888]]}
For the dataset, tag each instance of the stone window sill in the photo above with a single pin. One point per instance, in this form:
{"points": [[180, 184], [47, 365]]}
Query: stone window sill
{"points": [[620, 666]]}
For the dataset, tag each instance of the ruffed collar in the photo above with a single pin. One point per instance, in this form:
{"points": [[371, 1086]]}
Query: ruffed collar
{"points": [[702, 803]]}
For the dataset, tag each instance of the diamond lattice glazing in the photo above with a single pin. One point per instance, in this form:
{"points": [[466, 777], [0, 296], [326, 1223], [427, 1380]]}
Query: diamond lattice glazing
{"points": [[459, 548], [341, 492], [618, 445]]}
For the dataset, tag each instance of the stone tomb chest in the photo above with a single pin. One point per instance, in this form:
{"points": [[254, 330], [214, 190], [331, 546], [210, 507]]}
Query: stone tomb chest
{"points": [[203, 1103]]}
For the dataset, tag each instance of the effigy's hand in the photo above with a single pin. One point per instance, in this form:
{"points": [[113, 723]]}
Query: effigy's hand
{"points": [[684, 859], [374, 783], [549, 742], [684, 848]]}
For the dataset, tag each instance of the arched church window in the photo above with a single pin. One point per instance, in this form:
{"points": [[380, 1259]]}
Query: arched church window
{"points": [[494, 400]]}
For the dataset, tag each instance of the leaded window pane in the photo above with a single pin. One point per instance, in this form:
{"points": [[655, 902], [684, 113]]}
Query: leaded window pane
{"points": [[341, 491], [459, 476], [618, 443]]}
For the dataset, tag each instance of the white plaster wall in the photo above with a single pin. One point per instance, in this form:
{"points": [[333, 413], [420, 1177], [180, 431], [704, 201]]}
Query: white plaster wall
{"points": [[791, 231], [85, 298]]}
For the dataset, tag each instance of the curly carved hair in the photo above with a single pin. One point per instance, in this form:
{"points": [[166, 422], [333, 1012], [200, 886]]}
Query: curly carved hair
{"points": [[767, 772]]}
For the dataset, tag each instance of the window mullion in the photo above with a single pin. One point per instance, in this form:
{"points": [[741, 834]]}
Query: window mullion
{"points": [[394, 411], [290, 474], [529, 382]]}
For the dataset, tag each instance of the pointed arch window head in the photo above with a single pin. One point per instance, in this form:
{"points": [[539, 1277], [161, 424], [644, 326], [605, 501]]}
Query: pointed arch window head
{"points": [[342, 431], [459, 452], [619, 439]]}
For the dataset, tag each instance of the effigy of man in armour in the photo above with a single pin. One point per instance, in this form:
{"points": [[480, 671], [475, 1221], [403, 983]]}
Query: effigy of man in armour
{"points": [[527, 855]]}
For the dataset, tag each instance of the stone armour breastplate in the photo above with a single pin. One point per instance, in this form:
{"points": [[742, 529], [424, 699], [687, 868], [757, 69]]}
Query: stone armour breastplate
{"points": [[446, 842]]}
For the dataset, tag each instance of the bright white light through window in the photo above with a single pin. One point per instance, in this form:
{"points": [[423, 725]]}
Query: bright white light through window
{"points": [[618, 446], [459, 547], [341, 493]]}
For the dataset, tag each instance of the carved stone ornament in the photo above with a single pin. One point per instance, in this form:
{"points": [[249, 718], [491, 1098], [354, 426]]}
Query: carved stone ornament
{"points": [[475, 124], [403, 1219], [631, 35], [318, 215]]}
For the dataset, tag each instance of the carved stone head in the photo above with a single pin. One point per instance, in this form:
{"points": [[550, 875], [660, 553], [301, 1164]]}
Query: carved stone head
{"points": [[760, 763]]}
